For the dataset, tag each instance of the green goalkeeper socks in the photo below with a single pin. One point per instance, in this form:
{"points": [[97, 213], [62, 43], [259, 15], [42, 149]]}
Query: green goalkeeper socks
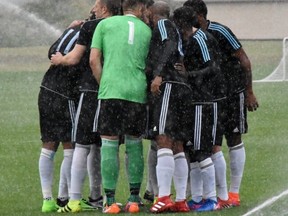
{"points": [[109, 163], [135, 163]]}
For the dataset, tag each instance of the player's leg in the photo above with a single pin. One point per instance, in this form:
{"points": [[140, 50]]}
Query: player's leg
{"points": [[218, 157], [195, 184], [135, 168], [180, 177], [165, 159], [179, 107], [83, 137], [203, 139], [94, 172], [108, 124], [237, 126], [65, 135], [50, 143], [94, 158], [65, 174], [208, 178], [237, 156], [46, 171], [152, 189], [134, 123]]}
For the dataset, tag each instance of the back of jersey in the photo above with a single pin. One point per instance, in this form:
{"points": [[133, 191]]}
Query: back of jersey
{"points": [[66, 42]]}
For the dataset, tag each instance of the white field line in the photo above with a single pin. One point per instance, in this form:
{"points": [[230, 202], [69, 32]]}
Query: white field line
{"points": [[266, 203]]}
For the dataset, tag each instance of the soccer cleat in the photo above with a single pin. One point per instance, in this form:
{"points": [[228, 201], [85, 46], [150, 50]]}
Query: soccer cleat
{"points": [[148, 196], [86, 205], [140, 202], [224, 204], [112, 209], [155, 199], [96, 203], [49, 206], [208, 205], [132, 207], [194, 205], [180, 206], [163, 204], [61, 202], [234, 199], [72, 206]]}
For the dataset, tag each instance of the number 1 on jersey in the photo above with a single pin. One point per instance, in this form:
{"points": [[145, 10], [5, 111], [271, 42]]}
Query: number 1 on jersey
{"points": [[131, 32]]}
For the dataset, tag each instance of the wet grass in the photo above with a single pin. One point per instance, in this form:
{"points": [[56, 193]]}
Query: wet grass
{"points": [[266, 143]]}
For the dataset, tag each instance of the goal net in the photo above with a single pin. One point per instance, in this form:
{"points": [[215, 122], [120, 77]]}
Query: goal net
{"points": [[281, 71]]}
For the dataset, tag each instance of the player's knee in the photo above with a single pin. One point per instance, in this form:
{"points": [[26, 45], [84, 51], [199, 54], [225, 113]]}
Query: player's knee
{"points": [[216, 148], [233, 139]]}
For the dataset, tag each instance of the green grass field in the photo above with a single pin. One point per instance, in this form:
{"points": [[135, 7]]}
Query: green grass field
{"points": [[21, 71]]}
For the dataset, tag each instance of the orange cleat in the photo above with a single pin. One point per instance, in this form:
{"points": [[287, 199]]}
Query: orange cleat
{"points": [[112, 209], [180, 206], [234, 199], [163, 204]]}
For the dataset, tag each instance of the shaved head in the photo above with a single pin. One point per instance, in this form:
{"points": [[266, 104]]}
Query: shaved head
{"points": [[161, 8]]}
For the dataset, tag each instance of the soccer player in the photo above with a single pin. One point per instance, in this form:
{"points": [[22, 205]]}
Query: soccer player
{"points": [[169, 88], [88, 143], [57, 105], [202, 63], [237, 68], [122, 41]]}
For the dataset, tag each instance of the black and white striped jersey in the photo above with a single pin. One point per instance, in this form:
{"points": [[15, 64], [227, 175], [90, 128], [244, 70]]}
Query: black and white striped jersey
{"points": [[202, 61], [63, 80], [165, 50]]}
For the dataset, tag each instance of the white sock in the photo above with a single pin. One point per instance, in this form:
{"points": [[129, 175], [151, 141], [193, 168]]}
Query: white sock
{"points": [[208, 176], [165, 170], [94, 171], [180, 176], [196, 182], [78, 170], [152, 162], [46, 169], [65, 174], [237, 162], [220, 174]]}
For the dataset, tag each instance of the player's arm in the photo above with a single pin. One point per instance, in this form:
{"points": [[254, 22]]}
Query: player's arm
{"points": [[72, 58], [212, 67], [251, 101], [95, 63]]}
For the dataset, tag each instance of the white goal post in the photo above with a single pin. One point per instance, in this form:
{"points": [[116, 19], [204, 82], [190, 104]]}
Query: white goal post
{"points": [[281, 71]]}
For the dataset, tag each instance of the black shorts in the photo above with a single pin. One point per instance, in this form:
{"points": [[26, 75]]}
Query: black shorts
{"points": [[235, 115], [205, 129], [170, 111], [56, 115], [84, 119], [120, 117]]}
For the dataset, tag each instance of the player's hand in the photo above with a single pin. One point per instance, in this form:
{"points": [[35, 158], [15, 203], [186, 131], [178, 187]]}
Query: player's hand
{"points": [[76, 23], [181, 69], [56, 58], [155, 85], [251, 102]]}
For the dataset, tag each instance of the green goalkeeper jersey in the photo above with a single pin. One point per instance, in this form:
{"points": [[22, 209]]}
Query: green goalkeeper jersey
{"points": [[124, 43]]}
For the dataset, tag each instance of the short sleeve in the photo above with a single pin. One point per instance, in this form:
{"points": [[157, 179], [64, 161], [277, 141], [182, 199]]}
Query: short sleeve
{"points": [[97, 40]]}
